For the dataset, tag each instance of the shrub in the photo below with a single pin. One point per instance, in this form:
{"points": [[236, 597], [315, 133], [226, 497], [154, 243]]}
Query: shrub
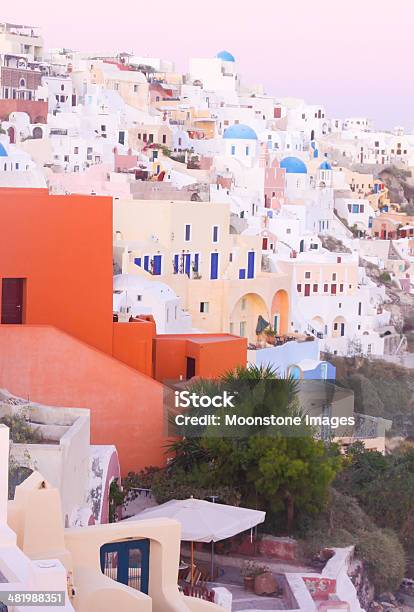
{"points": [[385, 277], [384, 559], [21, 432]]}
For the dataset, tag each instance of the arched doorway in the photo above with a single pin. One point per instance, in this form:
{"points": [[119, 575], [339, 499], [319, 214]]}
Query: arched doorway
{"points": [[318, 326], [280, 312], [338, 327], [12, 135], [245, 315]]}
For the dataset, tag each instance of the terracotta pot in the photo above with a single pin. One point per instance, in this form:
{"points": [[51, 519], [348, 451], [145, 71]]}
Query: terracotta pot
{"points": [[265, 584], [249, 583]]}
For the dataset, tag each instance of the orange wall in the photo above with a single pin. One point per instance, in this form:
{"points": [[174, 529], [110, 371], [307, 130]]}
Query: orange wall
{"points": [[63, 246], [216, 355], [46, 365], [132, 344]]}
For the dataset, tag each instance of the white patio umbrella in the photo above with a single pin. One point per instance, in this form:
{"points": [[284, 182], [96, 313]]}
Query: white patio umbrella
{"points": [[203, 521]]}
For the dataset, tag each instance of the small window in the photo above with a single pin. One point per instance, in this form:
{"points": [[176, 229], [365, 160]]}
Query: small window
{"points": [[233, 150], [66, 158], [187, 233], [334, 276], [164, 139], [341, 288], [315, 288], [299, 287], [204, 306], [136, 88], [307, 274], [139, 298], [215, 233], [325, 287]]}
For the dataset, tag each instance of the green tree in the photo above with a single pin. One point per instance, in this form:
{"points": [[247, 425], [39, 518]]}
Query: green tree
{"points": [[270, 467]]}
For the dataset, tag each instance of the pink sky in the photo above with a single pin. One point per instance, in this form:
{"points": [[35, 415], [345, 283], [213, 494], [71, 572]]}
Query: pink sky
{"points": [[353, 56]]}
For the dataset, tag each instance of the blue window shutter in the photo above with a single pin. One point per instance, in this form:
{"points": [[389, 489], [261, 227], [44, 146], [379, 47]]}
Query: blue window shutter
{"points": [[214, 266], [233, 150], [242, 273], [215, 233], [187, 232], [250, 265], [176, 264], [137, 261], [157, 264], [146, 262], [196, 262], [187, 265]]}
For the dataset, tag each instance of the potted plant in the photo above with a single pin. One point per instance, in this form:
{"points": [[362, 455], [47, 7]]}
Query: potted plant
{"points": [[249, 571]]}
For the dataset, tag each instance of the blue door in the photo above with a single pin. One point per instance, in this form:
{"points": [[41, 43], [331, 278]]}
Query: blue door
{"points": [[250, 265], [127, 562], [146, 262], [214, 266], [157, 264]]}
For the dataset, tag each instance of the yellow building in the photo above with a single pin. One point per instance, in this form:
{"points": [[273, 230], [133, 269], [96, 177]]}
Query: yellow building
{"points": [[217, 274], [131, 85]]}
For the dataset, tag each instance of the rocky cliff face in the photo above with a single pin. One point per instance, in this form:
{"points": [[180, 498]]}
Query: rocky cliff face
{"points": [[400, 184]]}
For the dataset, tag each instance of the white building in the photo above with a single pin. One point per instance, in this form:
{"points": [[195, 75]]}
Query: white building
{"points": [[134, 296]]}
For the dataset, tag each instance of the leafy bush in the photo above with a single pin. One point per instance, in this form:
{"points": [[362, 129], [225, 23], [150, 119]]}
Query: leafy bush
{"points": [[384, 559], [21, 431], [385, 277], [342, 523]]}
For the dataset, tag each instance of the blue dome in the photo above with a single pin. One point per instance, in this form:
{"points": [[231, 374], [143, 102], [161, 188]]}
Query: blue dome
{"points": [[225, 56], [293, 165], [239, 130], [325, 166], [3, 152]]}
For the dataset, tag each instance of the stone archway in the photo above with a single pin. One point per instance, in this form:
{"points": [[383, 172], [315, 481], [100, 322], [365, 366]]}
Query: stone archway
{"points": [[280, 312], [245, 315]]}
